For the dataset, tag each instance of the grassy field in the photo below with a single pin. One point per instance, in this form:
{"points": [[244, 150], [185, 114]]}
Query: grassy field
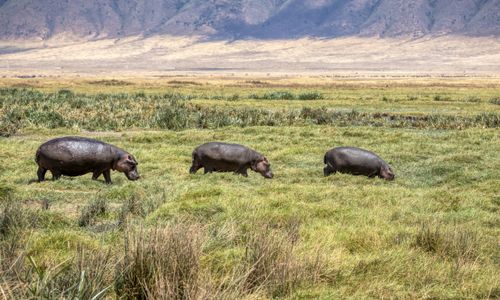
{"points": [[432, 233]]}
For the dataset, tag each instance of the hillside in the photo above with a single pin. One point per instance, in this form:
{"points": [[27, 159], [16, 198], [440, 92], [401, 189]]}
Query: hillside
{"points": [[262, 19]]}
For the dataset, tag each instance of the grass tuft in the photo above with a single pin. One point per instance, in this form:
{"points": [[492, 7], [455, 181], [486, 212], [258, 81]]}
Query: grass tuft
{"points": [[163, 263], [95, 208], [460, 244]]}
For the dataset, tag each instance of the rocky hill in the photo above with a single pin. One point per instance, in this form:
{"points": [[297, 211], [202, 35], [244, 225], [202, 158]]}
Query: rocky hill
{"points": [[235, 19]]}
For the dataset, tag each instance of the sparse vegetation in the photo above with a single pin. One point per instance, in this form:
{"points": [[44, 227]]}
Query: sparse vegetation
{"points": [[432, 233]]}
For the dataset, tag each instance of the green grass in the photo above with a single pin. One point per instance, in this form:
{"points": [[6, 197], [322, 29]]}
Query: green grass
{"points": [[431, 233]]}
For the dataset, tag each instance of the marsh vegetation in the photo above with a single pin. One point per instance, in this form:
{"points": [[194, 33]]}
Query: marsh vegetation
{"points": [[432, 233]]}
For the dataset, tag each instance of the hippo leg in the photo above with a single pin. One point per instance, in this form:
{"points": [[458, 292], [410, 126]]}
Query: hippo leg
{"points": [[242, 171], [96, 175], [41, 174], [194, 168], [107, 176], [55, 174]]}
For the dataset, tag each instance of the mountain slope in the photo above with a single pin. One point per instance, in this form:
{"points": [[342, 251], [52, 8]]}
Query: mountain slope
{"points": [[43, 19]]}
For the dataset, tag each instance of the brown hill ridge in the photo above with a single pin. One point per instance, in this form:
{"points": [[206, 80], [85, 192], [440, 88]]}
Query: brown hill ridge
{"points": [[236, 19]]}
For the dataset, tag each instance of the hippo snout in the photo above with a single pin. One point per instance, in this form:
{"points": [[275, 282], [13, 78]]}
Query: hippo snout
{"points": [[269, 175], [132, 176]]}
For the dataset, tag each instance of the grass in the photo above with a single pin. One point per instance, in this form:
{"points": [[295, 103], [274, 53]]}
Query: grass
{"points": [[432, 233]]}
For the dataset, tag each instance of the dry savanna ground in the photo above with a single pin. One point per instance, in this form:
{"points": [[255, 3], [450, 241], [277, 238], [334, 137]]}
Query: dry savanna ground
{"points": [[431, 233], [165, 55]]}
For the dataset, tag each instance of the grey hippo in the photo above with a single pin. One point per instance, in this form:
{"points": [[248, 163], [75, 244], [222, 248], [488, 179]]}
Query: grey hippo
{"points": [[75, 156], [356, 161], [223, 157]]}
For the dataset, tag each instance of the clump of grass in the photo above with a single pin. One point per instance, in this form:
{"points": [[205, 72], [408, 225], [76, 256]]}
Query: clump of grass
{"points": [[310, 96], [88, 276], [183, 82], [441, 98], [6, 192], [163, 263], [275, 95], [257, 82], [95, 208], [65, 94], [133, 206], [495, 100], [14, 218], [10, 121], [112, 82], [270, 262], [460, 244], [473, 99]]}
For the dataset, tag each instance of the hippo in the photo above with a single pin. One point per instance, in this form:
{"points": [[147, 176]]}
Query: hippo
{"points": [[356, 161], [223, 157], [75, 156]]}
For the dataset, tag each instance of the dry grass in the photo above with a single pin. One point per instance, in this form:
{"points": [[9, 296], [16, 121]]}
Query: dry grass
{"points": [[162, 263], [168, 55]]}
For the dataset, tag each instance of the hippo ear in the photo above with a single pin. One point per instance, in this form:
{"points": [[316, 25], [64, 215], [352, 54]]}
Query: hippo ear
{"points": [[131, 160], [253, 164]]}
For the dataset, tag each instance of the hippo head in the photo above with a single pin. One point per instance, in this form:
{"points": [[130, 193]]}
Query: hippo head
{"points": [[387, 173], [127, 164], [327, 170], [263, 167]]}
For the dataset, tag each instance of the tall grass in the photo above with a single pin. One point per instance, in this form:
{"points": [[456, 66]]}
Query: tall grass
{"points": [[163, 263], [23, 108]]}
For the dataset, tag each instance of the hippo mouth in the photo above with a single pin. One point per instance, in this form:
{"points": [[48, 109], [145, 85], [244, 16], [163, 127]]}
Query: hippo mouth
{"points": [[132, 176], [268, 175]]}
